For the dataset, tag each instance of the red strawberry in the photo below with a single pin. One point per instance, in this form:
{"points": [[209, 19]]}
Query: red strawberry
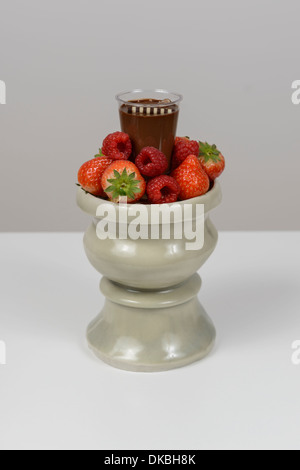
{"points": [[191, 177], [117, 146], [151, 162], [163, 189], [89, 175], [123, 179], [182, 149], [211, 159]]}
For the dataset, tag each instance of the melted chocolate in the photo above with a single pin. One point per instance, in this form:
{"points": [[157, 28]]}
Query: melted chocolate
{"points": [[150, 125]]}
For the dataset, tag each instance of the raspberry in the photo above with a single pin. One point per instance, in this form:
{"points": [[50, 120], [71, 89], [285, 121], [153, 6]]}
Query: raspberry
{"points": [[151, 162], [182, 149], [163, 189], [117, 146]]}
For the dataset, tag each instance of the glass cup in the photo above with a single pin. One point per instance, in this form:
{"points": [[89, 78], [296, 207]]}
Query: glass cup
{"points": [[150, 119]]}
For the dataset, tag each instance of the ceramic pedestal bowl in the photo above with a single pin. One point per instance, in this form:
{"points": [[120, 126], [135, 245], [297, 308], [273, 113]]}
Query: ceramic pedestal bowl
{"points": [[152, 319]]}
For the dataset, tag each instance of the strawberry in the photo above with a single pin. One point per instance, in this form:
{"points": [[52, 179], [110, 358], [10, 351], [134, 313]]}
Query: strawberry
{"points": [[123, 179], [89, 175], [182, 149], [191, 177], [211, 159]]}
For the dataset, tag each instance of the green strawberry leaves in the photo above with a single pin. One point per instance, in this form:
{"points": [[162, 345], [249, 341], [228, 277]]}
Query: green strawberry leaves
{"points": [[209, 152], [100, 154], [124, 185]]}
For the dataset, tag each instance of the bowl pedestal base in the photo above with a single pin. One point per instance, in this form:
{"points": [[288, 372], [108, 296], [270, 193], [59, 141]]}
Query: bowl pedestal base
{"points": [[151, 331]]}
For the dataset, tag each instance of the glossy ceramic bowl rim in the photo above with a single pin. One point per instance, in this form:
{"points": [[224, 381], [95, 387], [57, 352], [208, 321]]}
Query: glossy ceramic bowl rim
{"points": [[89, 203]]}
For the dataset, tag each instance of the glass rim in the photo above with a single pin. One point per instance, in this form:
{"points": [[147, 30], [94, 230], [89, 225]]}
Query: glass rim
{"points": [[178, 97]]}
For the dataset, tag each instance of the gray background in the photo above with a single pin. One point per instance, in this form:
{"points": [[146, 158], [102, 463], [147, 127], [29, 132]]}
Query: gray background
{"points": [[234, 61]]}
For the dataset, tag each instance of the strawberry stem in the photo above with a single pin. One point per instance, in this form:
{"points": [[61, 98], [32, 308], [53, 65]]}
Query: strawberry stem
{"points": [[123, 185], [100, 154], [209, 152]]}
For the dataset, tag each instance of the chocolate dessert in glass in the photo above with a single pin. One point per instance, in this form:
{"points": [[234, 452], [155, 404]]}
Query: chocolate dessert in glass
{"points": [[150, 119]]}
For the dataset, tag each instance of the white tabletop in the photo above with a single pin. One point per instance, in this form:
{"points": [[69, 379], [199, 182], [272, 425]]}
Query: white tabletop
{"points": [[54, 394]]}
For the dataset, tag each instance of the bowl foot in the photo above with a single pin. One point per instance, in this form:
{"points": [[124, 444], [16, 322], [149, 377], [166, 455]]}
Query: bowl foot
{"points": [[151, 331]]}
